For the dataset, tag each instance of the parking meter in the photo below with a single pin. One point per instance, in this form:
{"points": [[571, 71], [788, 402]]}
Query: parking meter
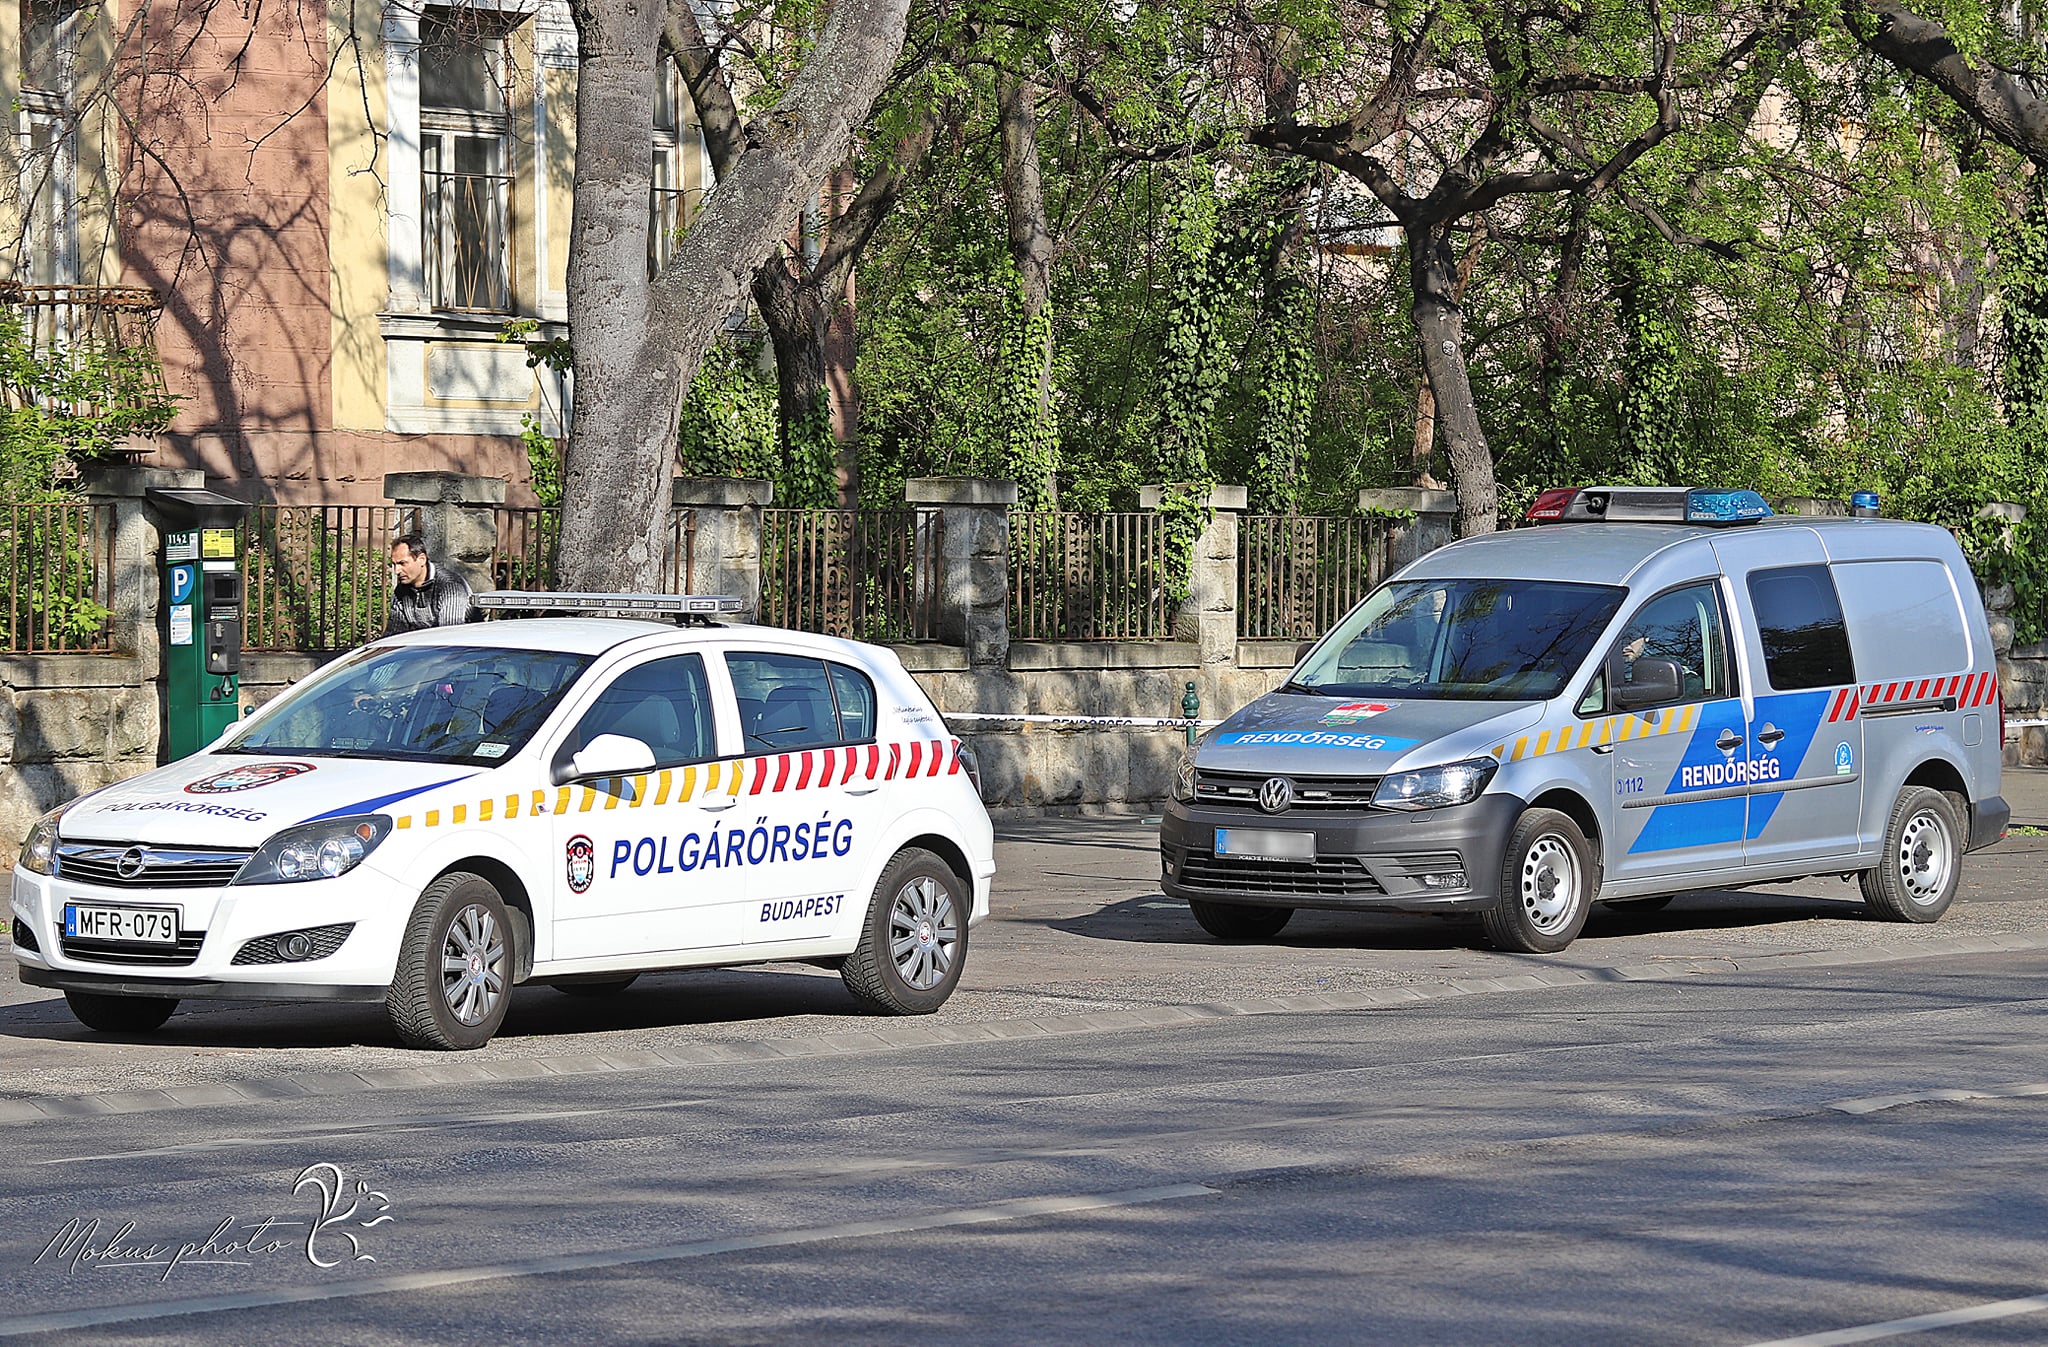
{"points": [[202, 630]]}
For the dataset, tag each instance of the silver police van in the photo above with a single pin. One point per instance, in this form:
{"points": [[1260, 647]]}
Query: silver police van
{"points": [[1660, 689]]}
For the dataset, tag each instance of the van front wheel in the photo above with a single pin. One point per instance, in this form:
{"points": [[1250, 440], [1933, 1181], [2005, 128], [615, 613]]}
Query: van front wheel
{"points": [[1917, 873], [1546, 885]]}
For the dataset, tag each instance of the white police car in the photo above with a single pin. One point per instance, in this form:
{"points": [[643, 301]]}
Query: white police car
{"points": [[441, 815]]}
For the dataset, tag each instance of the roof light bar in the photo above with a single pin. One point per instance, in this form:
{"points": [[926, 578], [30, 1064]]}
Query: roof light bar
{"points": [[532, 600], [1647, 505]]}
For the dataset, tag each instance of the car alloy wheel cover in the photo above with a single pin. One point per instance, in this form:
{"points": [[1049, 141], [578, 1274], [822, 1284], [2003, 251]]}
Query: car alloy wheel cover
{"points": [[924, 933], [473, 965]]}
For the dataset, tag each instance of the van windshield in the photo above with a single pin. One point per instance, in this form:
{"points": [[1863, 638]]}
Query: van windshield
{"points": [[1477, 640], [419, 703]]}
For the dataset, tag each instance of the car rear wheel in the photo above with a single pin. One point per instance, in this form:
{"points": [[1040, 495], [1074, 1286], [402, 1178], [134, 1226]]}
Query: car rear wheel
{"points": [[1546, 885], [1921, 864], [454, 978], [1240, 921], [914, 943], [121, 1014]]}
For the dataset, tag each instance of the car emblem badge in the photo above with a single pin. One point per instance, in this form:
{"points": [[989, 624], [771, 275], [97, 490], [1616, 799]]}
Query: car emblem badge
{"points": [[132, 863], [1276, 794]]}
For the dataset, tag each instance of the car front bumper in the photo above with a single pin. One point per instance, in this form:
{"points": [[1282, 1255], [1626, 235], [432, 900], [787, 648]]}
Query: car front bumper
{"points": [[1431, 860], [229, 939]]}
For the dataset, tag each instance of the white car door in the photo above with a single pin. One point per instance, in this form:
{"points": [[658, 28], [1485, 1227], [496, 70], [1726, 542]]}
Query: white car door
{"points": [[644, 859], [819, 790]]}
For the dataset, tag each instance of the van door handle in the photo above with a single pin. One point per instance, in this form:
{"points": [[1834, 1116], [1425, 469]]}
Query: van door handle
{"points": [[864, 790], [1769, 734], [1728, 741], [1603, 748]]}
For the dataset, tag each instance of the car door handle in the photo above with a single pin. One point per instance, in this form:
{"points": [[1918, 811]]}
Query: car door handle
{"points": [[1769, 734], [718, 802], [1729, 740]]}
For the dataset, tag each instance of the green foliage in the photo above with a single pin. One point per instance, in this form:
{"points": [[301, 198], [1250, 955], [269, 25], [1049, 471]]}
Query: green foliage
{"points": [[64, 407], [728, 426], [1288, 383], [1030, 432]]}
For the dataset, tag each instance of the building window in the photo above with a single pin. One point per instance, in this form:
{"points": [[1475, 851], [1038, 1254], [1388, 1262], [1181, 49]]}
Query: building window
{"points": [[47, 133], [465, 166], [666, 212]]}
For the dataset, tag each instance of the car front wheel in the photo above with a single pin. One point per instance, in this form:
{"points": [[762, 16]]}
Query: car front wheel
{"points": [[1547, 885], [454, 979], [120, 1014]]}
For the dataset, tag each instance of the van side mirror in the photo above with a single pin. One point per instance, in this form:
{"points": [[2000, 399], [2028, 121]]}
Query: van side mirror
{"points": [[611, 755], [1652, 682]]}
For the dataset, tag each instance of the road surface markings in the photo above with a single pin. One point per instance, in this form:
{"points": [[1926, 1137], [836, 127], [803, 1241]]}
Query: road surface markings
{"points": [[1922, 1323], [1877, 1103], [1018, 1209]]}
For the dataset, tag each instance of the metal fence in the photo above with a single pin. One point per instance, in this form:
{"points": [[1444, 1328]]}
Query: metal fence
{"points": [[60, 567], [528, 538], [1088, 577], [318, 575], [1297, 574], [872, 575]]}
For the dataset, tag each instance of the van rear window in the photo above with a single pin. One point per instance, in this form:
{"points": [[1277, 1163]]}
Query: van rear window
{"points": [[1909, 623], [1806, 644]]}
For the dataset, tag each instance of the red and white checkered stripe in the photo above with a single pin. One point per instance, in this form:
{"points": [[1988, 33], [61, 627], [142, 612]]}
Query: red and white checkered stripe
{"points": [[779, 772], [1978, 689]]}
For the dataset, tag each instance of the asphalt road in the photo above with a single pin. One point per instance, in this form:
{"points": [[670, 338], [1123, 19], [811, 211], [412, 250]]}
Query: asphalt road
{"points": [[1751, 1117]]}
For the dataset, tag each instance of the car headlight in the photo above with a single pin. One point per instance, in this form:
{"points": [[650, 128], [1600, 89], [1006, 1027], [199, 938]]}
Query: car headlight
{"points": [[39, 848], [320, 850], [1184, 778], [1435, 787]]}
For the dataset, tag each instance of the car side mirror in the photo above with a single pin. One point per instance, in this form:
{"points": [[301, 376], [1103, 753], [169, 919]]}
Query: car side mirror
{"points": [[611, 755], [1652, 682], [1301, 651]]}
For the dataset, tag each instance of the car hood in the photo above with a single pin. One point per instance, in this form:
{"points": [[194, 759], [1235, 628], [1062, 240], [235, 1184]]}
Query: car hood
{"points": [[1359, 736], [236, 800]]}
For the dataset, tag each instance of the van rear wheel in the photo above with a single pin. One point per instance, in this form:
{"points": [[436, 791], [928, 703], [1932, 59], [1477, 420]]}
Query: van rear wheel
{"points": [[1240, 921], [1546, 885], [1921, 865]]}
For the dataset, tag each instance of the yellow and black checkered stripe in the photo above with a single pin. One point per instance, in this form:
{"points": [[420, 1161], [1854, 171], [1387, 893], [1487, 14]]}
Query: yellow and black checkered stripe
{"points": [[772, 774], [1607, 730]]}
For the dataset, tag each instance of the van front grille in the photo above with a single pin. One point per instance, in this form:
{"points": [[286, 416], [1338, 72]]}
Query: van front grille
{"points": [[1240, 790], [1334, 877]]}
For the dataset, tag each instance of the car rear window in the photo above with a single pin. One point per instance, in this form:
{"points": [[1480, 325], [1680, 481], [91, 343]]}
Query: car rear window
{"points": [[1908, 622], [1799, 617]]}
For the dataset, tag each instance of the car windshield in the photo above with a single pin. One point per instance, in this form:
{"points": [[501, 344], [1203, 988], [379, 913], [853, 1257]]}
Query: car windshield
{"points": [[421, 703], [1479, 640]]}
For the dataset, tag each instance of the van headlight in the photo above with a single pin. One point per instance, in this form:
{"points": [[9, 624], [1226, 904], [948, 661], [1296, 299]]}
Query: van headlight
{"points": [[324, 849], [1435, 787], [1184, 778], [39, 848]]}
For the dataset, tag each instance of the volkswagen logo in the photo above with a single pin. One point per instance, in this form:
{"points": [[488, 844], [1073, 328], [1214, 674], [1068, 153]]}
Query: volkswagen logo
{"points": [[132, 863], [1276, 794]]}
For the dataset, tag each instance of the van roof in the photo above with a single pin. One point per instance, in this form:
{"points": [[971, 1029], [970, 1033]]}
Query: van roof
{"points": [[1611, 554]]}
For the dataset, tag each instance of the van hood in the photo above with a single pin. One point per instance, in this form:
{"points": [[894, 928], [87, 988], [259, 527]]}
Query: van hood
{"points": [[236, 801], [1359, 736]]}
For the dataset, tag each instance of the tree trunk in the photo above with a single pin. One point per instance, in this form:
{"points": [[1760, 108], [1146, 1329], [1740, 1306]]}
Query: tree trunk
{"points": [[1440, 327], [638, 343], [1031, 246], [794, 314]]}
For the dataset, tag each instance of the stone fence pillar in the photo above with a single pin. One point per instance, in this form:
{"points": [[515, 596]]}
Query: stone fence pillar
{"points": [[458, 516], [137, 582], [725, 546], [974, 561], [1209, 617], [1409, 540]]}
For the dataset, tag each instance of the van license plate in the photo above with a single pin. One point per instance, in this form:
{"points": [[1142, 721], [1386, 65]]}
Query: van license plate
{"points": [[143, 925], [1264, 844]]}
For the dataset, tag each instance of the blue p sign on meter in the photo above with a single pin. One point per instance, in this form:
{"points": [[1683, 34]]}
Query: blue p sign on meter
{"points": [[182, 580]]}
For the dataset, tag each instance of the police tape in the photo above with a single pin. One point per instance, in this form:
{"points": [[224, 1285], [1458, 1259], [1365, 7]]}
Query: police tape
{"points": [[1114, 722], [2012, 725]]}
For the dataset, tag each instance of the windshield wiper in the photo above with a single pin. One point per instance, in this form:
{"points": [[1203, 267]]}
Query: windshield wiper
{"points": [[1300, 689]]}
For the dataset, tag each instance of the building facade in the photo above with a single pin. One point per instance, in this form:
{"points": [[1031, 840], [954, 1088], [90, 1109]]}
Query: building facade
{"points": [[339, 210]]}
